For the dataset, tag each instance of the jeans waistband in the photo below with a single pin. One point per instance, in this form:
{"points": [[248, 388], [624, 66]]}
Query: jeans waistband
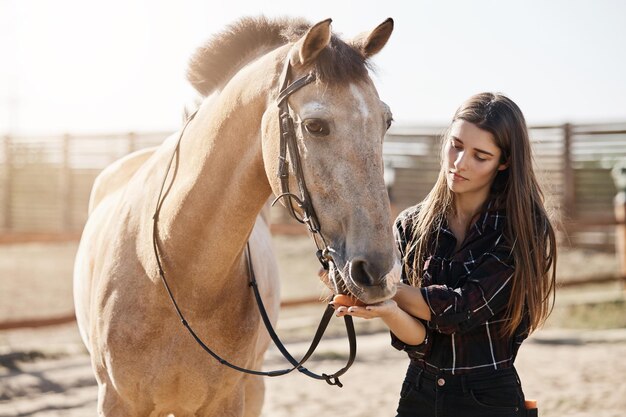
{"points": [[444, 380]]}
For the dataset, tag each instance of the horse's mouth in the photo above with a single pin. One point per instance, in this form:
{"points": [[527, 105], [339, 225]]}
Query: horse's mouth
{"points": [[341, 282], [338, 282], [335, 281]]}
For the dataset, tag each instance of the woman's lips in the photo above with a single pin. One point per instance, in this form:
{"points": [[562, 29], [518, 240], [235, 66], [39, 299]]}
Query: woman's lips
{"points": [[457, 177]]}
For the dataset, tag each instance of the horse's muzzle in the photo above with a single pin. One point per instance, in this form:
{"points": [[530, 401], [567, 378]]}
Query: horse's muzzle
{"points": [[359, 278]]}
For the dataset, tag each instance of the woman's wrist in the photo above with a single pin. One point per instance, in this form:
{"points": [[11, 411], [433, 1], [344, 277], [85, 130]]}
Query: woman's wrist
{"points": [[411, 300], [406, 327], [391, 312]]}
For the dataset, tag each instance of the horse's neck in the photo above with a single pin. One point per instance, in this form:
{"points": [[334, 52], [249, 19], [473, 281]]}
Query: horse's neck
{"points": [[219, 188]]}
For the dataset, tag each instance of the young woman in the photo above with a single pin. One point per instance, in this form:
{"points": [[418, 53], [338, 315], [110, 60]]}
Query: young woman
{"points": [[479, 255]]}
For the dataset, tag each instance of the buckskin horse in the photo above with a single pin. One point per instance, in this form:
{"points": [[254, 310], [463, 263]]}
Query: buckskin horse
{"points": [[188, 208]]}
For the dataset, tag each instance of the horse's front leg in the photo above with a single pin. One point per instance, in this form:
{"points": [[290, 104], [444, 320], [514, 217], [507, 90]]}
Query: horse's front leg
{"points": [[255, 395], [111, 404]]}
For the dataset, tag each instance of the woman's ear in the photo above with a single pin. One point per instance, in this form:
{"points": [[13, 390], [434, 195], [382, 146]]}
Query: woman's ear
{"points": [[503, 166]]}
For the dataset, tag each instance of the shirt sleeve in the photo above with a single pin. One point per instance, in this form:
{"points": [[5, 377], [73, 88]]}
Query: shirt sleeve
{"points": [[416, 349], [401, 231], [485, 293]]}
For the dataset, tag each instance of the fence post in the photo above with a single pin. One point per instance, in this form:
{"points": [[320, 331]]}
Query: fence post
{"points": [[132, 142], [620, 233], [568, 207], [65, 185], [7, 220], [619, 177]]}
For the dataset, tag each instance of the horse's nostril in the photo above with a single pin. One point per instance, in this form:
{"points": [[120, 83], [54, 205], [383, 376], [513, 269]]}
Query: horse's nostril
{"points": [[360, 274]]}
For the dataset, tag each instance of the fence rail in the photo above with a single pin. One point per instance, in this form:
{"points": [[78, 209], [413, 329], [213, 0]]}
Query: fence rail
{"points": [[45, 181]]}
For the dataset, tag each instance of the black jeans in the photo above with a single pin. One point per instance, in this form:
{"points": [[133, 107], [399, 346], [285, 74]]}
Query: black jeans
{"points": [[496, 393]]}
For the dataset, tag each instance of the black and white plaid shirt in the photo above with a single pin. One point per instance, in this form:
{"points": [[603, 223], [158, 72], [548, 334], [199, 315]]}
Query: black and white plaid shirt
{"points": [[467, 292]]}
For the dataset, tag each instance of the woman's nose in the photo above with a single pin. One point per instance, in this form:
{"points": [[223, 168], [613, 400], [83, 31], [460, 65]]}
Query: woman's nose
{"points": [[459, 163]]}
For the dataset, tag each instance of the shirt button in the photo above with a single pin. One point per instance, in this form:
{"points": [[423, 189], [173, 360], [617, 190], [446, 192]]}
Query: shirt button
{"points": [[441, 382]]}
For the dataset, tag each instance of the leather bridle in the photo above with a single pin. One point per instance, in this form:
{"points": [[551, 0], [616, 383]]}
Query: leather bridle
{"points": [[288, 152], [289, 147]]}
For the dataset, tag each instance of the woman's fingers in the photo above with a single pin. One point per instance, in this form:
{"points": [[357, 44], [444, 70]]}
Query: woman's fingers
{"points": [[367, 312], [341, 311], [362, 312]]}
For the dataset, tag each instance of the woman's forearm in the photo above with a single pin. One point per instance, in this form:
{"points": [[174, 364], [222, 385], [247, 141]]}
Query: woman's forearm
{"points": [[410, 299], [405, 327]]}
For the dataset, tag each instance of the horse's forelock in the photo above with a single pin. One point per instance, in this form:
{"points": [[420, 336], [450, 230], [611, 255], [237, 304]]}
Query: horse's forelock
{"points": [[340, 62], [214, 63]]}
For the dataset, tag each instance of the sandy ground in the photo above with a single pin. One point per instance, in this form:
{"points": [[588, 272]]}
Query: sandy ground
{"points": [[571, 373], [46, 372]]}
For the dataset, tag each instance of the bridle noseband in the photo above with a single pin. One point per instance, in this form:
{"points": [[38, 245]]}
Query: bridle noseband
{"points": [[288, 152]]}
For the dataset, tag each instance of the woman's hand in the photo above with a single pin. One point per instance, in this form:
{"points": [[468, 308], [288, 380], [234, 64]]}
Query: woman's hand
{"points": [[406, 327], [382, 310]]}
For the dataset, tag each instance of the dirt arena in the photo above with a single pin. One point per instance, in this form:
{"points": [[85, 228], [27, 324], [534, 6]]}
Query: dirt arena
{"points": [[571, 373]]}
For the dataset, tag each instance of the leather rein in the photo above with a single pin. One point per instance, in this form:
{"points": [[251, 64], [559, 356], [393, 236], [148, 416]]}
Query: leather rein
{"points": [[288, 153]]}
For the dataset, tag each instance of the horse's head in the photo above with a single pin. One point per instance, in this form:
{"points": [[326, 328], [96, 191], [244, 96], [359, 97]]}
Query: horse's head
{"points": [[340, 123]]}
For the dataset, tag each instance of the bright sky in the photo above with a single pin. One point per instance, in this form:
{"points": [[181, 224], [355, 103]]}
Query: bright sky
{"points": [[83, 66]]}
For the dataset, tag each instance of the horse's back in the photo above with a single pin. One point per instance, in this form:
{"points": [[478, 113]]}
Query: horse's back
{"points": [[116, 175]]}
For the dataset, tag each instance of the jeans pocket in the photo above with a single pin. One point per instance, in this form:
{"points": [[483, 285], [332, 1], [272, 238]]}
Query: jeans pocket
{"points": [[503, 399]]}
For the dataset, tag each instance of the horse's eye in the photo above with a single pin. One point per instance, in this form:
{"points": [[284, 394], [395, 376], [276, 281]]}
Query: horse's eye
{"points": [[316, 127], [389, 121]]}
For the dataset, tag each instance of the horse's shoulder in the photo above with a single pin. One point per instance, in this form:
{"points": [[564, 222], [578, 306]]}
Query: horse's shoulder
{"points": [[116, 175]]}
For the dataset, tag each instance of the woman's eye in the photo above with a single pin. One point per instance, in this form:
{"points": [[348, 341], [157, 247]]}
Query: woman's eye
{"points": [[480, 159], [316, 127]]}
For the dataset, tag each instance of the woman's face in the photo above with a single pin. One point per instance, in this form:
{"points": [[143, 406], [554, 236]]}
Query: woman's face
{"points": [[472, 159]]}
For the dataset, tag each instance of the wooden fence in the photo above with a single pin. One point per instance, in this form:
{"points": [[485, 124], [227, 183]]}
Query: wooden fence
{"points": [[45, 181]]}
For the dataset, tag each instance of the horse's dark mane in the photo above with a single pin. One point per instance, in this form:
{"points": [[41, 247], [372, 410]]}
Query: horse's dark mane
{"points": [[214, 63]]}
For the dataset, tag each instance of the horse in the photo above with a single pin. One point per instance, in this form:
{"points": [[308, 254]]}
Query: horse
{"points": [[224, 166]]}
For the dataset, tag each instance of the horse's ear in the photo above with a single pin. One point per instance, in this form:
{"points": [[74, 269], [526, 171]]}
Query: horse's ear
{"points": [[311, 44], [371, 43]]}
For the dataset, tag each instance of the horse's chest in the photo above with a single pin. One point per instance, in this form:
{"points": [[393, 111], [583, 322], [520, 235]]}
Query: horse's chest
{"points": [[161, 359]]}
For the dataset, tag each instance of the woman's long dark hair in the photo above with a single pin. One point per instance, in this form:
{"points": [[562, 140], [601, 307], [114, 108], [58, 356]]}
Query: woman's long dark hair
{"points": [[515, 189]]}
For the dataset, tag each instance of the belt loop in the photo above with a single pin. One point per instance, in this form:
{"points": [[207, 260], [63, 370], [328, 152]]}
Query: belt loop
{"points": [[517, 378], [418, 379]]}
